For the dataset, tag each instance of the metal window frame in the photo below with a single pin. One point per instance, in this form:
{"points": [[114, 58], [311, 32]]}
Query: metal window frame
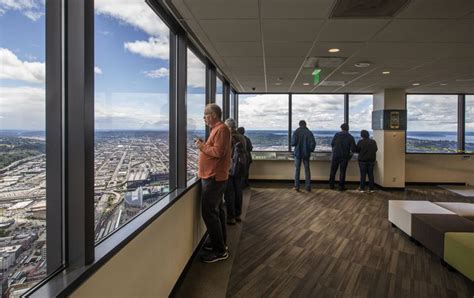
{"points": [[290, 117], [226, 100], [461, 123]]}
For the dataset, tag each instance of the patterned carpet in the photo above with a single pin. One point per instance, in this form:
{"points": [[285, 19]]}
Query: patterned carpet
{"points": [[332, 244]]}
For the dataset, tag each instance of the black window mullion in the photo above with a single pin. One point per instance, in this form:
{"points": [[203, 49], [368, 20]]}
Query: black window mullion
{"points": [[461, 122], [180, 116], [346, 108], [236, 107], [290, 115], [225, 100]]}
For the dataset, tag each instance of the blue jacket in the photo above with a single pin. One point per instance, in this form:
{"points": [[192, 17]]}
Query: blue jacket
{"points": [[304, 142], [343, 144]]}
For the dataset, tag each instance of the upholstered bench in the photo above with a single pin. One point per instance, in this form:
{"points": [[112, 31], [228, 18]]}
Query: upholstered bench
{"points": [[429, 229], [462, 209], [459, 252], [400, 212]]}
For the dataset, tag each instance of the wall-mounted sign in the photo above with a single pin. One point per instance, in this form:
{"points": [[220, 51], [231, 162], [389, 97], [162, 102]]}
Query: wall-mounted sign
{"points": [[389, 120]]}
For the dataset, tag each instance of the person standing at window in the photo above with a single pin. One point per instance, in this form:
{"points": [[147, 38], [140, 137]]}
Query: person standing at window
{"points": [[248, 142], [304, 143], [367, 149], [343, 144], [214, 166]]}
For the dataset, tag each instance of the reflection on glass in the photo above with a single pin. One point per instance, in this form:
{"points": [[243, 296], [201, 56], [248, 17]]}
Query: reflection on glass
{"points": [[131, 112], [469, 138], [323, 113], [432, 123], [219, 98], [196, 101], [265, 119], [22, 146], [360, 114]]}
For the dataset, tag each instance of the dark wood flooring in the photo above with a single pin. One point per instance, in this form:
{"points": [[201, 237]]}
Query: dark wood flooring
{"points": [[331, 244]]}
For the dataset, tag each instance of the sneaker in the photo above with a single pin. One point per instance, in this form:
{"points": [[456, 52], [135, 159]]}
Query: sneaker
{"points": [[214, 257], [296, 189], [371, 190], [208, 247], [238, 219], [231, 221], [360, 190]]}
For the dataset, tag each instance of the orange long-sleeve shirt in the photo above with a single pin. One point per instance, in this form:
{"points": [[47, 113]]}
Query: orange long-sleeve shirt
{"points": [[215, 155]]}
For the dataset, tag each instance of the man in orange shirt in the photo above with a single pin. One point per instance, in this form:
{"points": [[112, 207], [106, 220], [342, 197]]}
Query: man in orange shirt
{"points": [[214, 166]]}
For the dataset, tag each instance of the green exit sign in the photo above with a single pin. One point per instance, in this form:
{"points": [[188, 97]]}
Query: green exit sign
{"points": [[315, 74]]}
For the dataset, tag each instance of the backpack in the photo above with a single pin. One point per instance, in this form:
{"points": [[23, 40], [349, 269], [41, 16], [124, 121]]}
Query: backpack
{"points": [[239, 158]]}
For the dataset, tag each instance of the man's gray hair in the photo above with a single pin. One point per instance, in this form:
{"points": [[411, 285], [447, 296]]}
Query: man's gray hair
{"points": [[215, 109], [231, 123]]}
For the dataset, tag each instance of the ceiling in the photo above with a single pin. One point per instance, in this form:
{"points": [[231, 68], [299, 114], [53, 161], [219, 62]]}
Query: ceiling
{"points": [[263, 44]]}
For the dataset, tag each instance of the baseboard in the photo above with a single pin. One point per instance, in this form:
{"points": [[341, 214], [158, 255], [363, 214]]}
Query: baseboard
{"points": [[180, 280]]}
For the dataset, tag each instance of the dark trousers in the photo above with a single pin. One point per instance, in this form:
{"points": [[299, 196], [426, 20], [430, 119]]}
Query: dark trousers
{"points": [[341, 163], [307, 172], [213, 213], [366, 168], [233, 196]]}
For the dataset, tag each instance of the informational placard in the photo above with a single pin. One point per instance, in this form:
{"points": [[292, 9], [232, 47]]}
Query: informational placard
{"points": [[389, 120]]}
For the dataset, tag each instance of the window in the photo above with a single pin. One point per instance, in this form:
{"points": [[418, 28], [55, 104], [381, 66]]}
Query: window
{"points": [[196, 102], [323, 113], [131, 113], [22, 146], [219, 97], [432, 123], [469, 138], [360, 114], [265, 119]]}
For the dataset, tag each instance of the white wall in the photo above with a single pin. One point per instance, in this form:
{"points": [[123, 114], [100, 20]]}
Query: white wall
{"points": [[151, 263]]}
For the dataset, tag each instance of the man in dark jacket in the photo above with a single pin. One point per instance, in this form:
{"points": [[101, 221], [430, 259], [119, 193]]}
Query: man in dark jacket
{"points": [[304, 143], [367, 149], [343, 145], [248, 142]]}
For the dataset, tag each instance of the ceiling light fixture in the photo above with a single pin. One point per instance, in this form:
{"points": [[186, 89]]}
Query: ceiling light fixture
{"points": [[385, 72], [278, 84], [333, 50], [306, 84], [362, 64], [443, 84], [416, 84]]}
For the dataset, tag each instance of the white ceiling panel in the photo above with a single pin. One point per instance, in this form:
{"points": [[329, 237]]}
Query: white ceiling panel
{"points": [[351, 30], [239, 49], [219, 9], [283, 61], [287, 49], [231, 30], [434, 9], [414, 30], [296, 9], [290, 30], [347, 49], [249, 62]]}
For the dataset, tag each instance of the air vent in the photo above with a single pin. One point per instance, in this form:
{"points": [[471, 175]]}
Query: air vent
{"points": [[367, 8], [332, 83], [323, 62]]}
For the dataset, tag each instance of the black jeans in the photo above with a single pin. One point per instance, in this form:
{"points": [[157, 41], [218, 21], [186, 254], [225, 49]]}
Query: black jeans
{"points": [[213, 213], [366, 168], [341, 163], [233, 196]]}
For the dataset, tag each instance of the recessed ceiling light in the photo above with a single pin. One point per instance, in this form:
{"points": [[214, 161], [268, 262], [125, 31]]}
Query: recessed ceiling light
{"points": [[385, 72], [443, 84], [278, 84], [333, 50], [306, 84], [416, 84], [362, 64]]}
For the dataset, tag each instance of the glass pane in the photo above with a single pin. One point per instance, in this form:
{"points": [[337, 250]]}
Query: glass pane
{"points": [[22, 145], [131, 112], [360, 114], [196, 101], [323, 113], [219, 98], [265, 119], [432, 123], [469, 138]]}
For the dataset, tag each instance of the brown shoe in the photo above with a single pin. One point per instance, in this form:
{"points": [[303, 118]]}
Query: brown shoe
{"points": [[296, 189]]}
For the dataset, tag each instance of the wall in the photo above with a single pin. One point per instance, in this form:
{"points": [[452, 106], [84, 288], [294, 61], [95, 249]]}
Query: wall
{"points": [[151, 263]]}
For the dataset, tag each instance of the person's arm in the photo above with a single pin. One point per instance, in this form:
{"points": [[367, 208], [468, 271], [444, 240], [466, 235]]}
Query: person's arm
{"points": [[333, 140], [353, 145], [357, 149], [294, 139], [312, 143], [221, 144]]}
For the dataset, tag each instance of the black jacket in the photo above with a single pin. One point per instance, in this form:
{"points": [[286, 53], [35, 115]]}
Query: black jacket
{"points": [[304, 142], [343, 144], [367, 149]]}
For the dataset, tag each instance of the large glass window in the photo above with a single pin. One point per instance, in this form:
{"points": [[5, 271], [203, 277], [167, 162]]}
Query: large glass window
{"points": [[323, 113], [219, 97], [131, 112], [196, 101], [432, 123], [469, 138], [265, 119], [360, 114], [22, 145]]}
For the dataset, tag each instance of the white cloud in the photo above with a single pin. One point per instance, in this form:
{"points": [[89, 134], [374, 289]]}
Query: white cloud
{"points": [[22, 108], [157, 73], [32, 9], [154, 47], [196, 71], [97, 70], [133, 12], [263, 112], [432, 112], [15, 69]]}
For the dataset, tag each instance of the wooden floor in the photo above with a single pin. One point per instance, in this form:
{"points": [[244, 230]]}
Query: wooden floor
{"points": [[327, 244]]}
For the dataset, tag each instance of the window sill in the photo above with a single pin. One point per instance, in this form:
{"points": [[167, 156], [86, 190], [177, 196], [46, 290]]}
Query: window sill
{"points": [[65, 281]]}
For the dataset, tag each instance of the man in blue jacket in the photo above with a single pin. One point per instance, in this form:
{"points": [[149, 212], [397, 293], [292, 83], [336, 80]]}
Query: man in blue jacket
{"points": [[343, 145], [304, 143]]}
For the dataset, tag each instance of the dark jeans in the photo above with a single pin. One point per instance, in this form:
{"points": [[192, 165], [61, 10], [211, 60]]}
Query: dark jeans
{"points": [[366, 168], [341, 163], [213, 213], [233, 196], [307, 173]]}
